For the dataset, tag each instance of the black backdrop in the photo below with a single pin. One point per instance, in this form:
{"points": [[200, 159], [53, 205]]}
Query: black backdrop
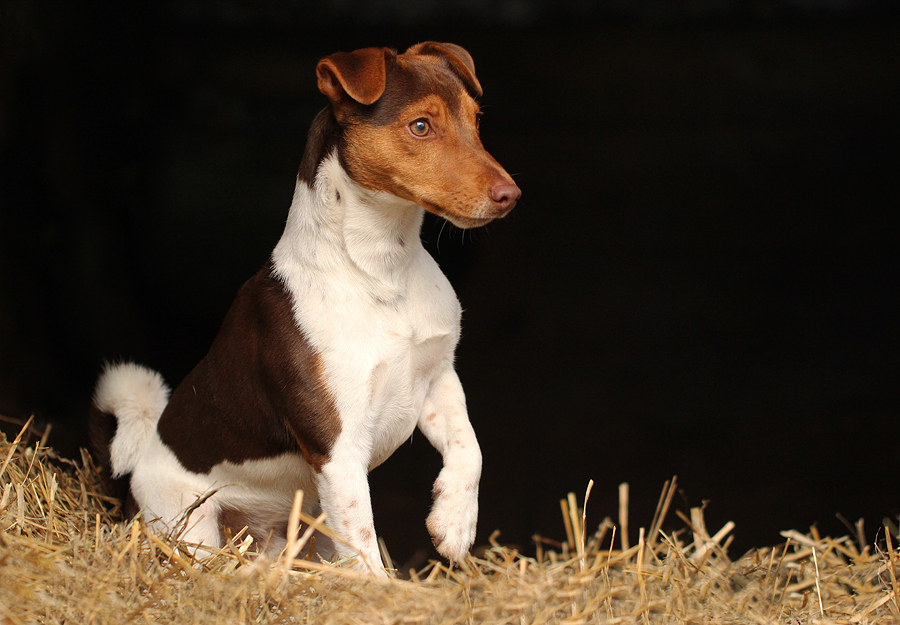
{"points": [[699, 280]]}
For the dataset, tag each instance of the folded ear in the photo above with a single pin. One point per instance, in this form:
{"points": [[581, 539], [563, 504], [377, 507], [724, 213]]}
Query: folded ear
{"points": [[460, 61], [359, 74]]}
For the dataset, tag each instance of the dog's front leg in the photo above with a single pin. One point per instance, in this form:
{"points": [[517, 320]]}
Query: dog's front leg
{"points": [[344, 496], [445, 422]]}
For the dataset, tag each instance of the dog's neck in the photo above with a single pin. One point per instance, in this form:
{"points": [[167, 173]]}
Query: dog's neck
{"points": [[338, 221]]}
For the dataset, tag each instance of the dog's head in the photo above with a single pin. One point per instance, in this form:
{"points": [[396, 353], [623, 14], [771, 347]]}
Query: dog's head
{"points": [[408, 125]]}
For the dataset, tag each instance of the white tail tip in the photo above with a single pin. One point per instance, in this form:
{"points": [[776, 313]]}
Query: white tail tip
{"points": [[136, 396]]}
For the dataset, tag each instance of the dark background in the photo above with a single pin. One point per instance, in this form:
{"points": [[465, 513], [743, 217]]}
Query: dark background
{"points": [[701, 277]]}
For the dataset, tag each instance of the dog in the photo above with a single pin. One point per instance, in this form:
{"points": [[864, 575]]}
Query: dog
{"points": [[343, 343]]}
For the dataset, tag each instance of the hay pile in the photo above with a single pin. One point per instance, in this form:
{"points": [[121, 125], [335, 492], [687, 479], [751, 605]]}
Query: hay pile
{"points": [[65, 559]]}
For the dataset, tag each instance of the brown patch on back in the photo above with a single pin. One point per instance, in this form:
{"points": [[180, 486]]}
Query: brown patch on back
{"points": [[258, 393]]}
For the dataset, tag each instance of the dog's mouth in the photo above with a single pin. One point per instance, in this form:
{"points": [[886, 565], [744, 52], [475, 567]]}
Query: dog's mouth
{"points": [[467, 222], [460, 221]]}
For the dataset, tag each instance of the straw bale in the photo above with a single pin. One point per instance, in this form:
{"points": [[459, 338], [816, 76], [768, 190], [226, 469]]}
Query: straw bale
{"points": [[66, 557]]}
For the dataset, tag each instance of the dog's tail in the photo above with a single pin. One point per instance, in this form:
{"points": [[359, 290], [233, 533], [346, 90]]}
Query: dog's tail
{"points": [[128, 401]]}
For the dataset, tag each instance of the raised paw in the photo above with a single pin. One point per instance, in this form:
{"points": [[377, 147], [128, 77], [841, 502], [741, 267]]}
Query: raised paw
{"points": [[453, 517]]}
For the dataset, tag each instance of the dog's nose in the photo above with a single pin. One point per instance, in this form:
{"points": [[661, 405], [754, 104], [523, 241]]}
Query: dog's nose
{"points": [[505, 195]]}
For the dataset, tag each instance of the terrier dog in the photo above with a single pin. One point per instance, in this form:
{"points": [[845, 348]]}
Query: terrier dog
{"points": [[343, 342]]}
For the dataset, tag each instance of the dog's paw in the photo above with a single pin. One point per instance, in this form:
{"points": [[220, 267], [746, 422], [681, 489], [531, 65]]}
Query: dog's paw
{"points": [[453, 516]]}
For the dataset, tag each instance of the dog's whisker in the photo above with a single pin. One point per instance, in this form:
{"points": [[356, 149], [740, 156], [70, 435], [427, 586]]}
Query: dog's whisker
{"points": [[444, 223]]}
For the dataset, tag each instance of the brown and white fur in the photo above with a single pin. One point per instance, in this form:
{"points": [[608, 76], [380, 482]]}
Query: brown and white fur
{"points": [[343, 342]]}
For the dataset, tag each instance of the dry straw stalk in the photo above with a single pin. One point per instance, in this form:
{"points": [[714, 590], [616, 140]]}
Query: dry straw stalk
{"points": [[65, 557]]}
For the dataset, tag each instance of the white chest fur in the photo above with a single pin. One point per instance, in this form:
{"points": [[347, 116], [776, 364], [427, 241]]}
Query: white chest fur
{"points": [[372, 302]]}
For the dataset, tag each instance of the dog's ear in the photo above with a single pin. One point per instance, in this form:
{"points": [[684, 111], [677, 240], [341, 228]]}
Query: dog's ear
{"points": [[359, 74], [460, 61]]}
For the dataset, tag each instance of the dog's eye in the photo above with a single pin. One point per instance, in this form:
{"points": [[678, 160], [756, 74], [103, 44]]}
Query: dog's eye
{"points": [[420, 127]]}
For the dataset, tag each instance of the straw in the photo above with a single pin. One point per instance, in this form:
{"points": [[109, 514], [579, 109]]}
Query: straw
{"points": [[67, 557]]}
